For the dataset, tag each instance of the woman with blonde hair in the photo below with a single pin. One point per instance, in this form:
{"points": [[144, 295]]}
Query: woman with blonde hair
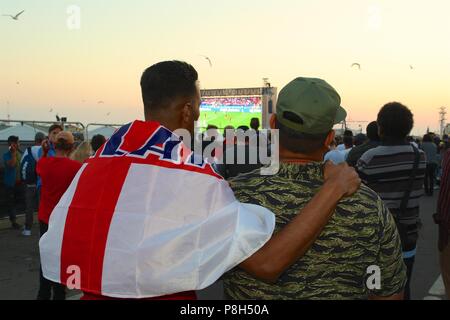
{"points": [[82, 153]]}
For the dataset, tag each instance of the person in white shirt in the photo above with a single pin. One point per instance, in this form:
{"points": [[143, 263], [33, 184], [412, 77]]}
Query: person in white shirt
{"points": [[334, 154], [339, 155]]}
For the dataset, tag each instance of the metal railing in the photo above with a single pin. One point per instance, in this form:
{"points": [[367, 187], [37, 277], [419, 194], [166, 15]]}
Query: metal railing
{"points": [[43, 126], [104, 125]]}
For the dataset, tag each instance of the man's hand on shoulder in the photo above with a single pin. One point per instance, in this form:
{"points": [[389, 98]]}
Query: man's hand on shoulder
{"points": [[343, 178]]}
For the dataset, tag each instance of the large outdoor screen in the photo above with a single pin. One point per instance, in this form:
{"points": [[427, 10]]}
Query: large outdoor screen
{"points": [[234, 111]]}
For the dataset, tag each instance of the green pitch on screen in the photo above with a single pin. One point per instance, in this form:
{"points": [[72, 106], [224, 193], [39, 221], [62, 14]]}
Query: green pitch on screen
{"points": [[223, 119]]}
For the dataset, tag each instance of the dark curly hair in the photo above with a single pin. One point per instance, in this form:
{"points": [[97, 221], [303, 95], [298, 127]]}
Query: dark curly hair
{"points": [[97, 142], [372, 131], [395, 121], [13, 139]]}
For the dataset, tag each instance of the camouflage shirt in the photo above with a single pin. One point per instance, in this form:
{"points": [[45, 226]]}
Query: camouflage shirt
{"points": [[361, 234]]}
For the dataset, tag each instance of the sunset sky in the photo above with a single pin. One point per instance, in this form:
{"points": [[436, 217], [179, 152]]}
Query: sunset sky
{"points": [[70, 70]]}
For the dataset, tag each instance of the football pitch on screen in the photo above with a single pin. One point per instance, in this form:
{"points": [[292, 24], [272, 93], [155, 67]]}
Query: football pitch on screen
{"points": [[223, 119]]}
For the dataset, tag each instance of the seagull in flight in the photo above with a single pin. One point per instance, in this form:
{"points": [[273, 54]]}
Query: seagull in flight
{"points": [[209, 60], [16, 17], [356, 65]]}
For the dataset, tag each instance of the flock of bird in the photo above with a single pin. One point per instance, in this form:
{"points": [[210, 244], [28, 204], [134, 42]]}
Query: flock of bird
{"points": [[16, 17]]}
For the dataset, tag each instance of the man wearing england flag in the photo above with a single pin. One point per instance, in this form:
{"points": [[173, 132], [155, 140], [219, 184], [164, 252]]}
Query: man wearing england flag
{"points": [[144, 219]]}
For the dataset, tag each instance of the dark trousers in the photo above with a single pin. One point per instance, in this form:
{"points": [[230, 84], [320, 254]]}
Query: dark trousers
{"points": [[12, 194], [409, 262], [46, 286], [430, 178], [31, 200]]}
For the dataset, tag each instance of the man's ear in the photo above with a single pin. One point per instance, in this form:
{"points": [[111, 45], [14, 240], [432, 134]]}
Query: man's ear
{"points": [[273, 121], [330, 138], [186, 114]]}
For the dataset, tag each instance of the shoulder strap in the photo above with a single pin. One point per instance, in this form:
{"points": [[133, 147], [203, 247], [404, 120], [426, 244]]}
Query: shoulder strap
{"points": [[405, 199]]}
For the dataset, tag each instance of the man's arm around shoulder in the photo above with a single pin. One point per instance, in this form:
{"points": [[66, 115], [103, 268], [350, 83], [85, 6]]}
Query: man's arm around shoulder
{"points": [[294, 240]]}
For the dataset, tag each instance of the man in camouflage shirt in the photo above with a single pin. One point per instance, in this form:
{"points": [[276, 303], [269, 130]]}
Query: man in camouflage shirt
{"points": [[361, 237]]}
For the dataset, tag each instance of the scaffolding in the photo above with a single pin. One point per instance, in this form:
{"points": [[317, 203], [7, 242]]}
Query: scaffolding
{"points": [[442, 119]]}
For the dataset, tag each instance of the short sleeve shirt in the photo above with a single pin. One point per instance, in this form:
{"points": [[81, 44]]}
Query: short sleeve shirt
{"points": [[360, 235]]}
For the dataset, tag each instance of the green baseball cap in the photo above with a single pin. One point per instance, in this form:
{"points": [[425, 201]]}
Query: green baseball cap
{"points": [[309, 106]]}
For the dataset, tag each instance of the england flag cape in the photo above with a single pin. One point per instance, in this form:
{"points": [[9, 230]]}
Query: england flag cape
{"points": [[137, 222]]}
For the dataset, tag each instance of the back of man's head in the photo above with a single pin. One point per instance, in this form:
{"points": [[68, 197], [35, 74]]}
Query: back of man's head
{"points": [[97, 141], [38, 138], [166, 81], [372, 131], [243, 128], [255, 124], [360, 139], [64, 141], [348, 142], [228, 129], [427, 138], [395, 121], [348, 133], [212, 127], [307, 110]]}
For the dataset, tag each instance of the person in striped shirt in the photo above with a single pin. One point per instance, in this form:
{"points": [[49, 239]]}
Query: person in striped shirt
{"points": [[396, 171]]}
